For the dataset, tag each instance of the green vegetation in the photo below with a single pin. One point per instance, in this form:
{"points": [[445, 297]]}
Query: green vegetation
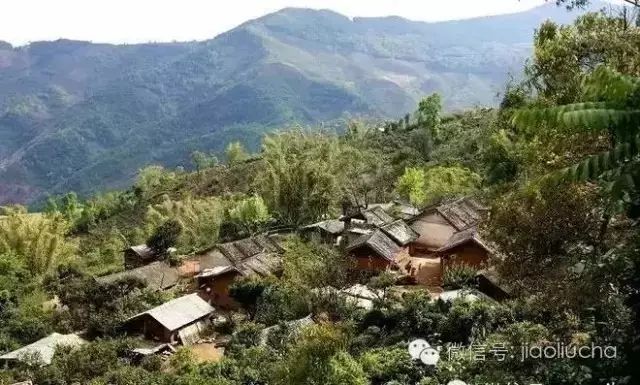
{"points": [[557, 162], [77, 116]]}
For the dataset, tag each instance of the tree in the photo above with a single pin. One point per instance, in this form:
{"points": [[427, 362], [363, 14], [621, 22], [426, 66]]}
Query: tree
{"points": [[300, 182], [311, 358], [236, 153], [429, 114], [610, 107], [250, 213], [165, 237], [203, 161], [411, 186], [200, 220], [247, 291], [39, 240], [564, 54], [447, 182]]}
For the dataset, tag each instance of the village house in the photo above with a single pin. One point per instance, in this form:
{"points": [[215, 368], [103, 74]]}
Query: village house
{"points": [[180, 320], [328, 231], [42, 350], [464, 248], [136, 256], [259, 255], [436, 224], [157, 275]]}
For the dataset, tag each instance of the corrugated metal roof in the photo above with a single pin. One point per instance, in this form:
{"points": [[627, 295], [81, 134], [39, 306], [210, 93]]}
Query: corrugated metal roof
{"points": [[400, 232], [44, 348], [379, 242], [179, 312], [157, 275]]}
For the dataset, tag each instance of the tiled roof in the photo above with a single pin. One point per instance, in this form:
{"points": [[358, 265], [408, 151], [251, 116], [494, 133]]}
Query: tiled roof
{"points": [[400, 232], [331, 226], [459, 238], [240, 250], [379, 242], [462, 213], [157, 275], [377, 216]]}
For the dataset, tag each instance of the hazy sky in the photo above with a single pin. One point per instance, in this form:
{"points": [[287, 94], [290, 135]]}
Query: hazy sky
{"points": [[132, 21]]}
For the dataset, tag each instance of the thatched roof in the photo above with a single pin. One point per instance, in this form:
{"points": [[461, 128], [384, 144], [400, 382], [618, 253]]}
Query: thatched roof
{"points": [[179, 312], [157, 275], [378, 242], [43, 348], [400, 232]]}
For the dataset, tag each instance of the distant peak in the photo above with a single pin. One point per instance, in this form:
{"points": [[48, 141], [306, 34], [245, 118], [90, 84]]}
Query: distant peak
{"points": [[5, 45]]}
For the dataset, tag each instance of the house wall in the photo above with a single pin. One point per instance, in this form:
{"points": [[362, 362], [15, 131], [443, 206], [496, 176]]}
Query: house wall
{"points": [[215, 290], [469, 254], [153, 330], [367, 260], [434, 232]]}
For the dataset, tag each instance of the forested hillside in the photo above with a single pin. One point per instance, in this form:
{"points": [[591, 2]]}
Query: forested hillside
{"points": [[555, 168], [84, 117]]}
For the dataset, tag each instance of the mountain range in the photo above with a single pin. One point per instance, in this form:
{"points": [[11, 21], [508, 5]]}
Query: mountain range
{"points": [[85, 117]]}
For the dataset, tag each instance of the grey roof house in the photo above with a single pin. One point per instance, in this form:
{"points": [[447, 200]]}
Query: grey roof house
{"points": [[42, 350], [169, 321], [157, 276]]}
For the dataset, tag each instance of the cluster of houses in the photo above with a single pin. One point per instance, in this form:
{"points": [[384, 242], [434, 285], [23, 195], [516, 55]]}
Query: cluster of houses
{"points": [[419, 245]]}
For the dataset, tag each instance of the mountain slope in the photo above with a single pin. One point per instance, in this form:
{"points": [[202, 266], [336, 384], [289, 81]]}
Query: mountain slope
{"points": [[81, 116]]}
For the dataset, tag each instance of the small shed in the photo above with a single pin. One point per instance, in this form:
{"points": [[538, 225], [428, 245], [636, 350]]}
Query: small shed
{"points": [[166, 322], [42, 350], [157, 275], [140, 255]]}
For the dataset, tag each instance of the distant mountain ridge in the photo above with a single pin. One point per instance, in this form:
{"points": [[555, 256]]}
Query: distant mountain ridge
{"points": [[81, 116]]}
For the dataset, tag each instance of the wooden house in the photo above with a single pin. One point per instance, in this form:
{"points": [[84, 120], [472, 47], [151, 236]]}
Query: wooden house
{"points": [[179, 320], [464, 248], [140, 255], [259, 255], [375, 251], [437, 224]]}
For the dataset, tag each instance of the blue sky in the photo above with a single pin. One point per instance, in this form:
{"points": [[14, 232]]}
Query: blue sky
{"points": [[134, 21]]}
